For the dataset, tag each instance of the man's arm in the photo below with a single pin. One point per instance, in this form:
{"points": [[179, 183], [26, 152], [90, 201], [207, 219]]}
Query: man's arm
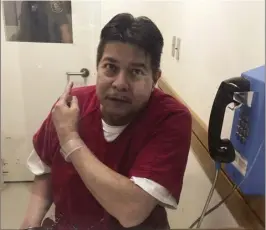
{"points": [[66, 35], [118, 195], [39, 162], [40, 201]]}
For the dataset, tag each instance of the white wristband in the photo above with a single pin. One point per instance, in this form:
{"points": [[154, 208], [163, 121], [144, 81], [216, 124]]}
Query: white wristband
{"points": [[69, 147]]}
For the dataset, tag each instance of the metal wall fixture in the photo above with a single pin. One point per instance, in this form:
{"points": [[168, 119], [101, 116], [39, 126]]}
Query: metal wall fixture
{"points": [[84, 73], [176, 42]]}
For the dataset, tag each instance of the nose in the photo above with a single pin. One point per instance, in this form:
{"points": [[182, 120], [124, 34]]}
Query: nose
{"points": [[121, 83]]}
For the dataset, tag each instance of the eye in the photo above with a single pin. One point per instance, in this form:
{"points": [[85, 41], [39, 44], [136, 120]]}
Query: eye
{"points": [[110, 67], [137, 72]]}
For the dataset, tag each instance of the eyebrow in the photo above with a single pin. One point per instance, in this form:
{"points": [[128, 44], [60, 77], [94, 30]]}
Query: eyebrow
{"points": [[110, 59], [139, 64], [135, 64]]}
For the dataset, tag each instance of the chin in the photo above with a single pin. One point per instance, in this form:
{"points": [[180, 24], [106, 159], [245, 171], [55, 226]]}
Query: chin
{"points": [[117, 112]]}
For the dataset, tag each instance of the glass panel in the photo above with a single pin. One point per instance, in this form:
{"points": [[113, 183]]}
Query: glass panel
{"points": [[38, 21]]}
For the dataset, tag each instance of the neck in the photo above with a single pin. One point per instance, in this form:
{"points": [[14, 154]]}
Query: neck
{"points": [[115, 120]]}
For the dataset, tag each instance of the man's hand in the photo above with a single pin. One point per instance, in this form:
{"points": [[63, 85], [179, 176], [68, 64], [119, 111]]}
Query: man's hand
{"points": [[65, 115]]}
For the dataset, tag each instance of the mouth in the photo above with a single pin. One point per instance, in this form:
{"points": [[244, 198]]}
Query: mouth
{"points": [[119, 99]]}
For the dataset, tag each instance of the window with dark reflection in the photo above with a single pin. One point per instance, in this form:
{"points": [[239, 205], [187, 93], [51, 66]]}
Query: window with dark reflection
{"points": [[38, 21]]}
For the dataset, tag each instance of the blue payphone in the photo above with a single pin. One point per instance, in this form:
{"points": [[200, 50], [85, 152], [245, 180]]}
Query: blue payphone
{"points": [[244, 153], [248, 137]]}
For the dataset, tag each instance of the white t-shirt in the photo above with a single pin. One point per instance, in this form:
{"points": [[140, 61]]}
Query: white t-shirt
{"points": [[37, 167]]}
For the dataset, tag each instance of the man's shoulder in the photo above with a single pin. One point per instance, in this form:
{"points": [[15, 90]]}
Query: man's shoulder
{"points": [[165, 112], [165, 104]]}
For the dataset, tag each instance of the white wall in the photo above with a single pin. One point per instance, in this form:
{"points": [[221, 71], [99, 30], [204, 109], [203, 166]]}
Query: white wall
{"points": [[13, 126], [219, 40]]}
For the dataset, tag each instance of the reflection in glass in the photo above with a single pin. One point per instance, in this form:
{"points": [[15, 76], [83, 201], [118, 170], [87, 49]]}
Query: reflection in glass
{"points": [[38, 21]]}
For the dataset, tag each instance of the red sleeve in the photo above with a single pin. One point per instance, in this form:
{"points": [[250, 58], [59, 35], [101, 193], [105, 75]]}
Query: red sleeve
{"points": [[164, 158], [45, 141]]}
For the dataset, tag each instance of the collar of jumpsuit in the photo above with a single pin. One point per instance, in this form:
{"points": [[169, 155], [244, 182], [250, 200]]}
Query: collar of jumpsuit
{"points": [[154, 146]]}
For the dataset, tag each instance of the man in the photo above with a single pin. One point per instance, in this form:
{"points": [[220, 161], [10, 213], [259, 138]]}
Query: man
{"points": [[113, 156], [44, 21]]}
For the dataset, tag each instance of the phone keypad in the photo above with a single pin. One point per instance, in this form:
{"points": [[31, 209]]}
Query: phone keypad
{"points": [[242, 128]]}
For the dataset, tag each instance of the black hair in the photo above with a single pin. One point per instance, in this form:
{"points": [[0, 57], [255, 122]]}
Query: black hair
{"points": [[140, 31]]}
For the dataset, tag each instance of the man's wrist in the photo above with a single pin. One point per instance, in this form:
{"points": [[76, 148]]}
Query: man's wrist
{"points": [[66, 136], [69, 145]]}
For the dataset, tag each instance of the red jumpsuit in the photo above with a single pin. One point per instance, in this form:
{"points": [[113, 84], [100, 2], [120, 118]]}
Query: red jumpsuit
{"points": [[154, 146]]}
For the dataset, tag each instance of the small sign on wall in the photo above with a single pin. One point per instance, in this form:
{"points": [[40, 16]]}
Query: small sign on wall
{"points": [[38, 21]]}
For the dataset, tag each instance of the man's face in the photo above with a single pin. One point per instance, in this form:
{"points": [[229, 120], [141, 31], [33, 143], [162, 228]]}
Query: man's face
{"points": [[125, 80]]}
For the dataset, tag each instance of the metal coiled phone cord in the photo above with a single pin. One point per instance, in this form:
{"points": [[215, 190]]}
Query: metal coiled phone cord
{"points": [[217, 170], [235, 187]]}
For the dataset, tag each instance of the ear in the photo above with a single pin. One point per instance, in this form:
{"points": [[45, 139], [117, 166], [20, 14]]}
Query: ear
{"points": [[156, 77]]}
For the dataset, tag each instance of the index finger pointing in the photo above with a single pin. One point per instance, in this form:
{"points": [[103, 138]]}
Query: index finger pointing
{"points": [[67, 91]]}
